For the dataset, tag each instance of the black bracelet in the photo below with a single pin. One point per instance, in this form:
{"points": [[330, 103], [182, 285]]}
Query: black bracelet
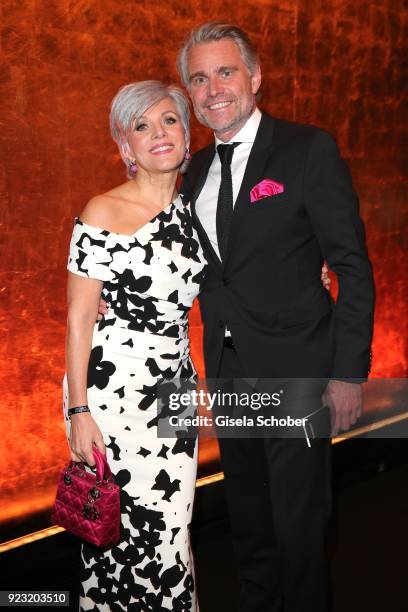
{"points": [[78, 410]]}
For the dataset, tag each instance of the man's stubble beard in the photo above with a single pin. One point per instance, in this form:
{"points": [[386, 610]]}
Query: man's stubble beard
{"points": [[238, 122]]}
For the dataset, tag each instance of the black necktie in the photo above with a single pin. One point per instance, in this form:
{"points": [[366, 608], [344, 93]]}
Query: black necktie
{"points": [[225, 198]]}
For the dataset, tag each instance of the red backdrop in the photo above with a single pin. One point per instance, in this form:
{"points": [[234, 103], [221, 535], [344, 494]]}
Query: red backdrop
{"points": [[335, 64]]}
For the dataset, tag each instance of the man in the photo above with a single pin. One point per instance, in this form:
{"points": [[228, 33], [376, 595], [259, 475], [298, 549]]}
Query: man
{"points": [[270, 207]]}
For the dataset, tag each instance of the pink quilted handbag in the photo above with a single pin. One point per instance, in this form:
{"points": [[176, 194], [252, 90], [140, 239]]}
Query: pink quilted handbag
{"points": [[88, 505]]}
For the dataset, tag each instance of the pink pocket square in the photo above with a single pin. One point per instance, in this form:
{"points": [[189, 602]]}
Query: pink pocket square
{"points": [[264, 189]]}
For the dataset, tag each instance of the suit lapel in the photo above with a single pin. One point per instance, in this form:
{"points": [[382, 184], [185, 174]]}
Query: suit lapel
{"points": [[205, 163], [257, 160], [207, 155]]}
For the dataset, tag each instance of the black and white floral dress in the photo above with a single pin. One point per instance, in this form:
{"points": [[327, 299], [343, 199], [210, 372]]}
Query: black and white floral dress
{"points": [[150, 279]]}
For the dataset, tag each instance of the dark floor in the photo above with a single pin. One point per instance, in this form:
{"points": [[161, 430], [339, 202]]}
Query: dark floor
{"points": [[369, 547], [368, 541]]}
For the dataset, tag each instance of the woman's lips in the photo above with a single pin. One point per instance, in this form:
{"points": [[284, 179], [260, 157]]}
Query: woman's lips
{"points": [[161, 149]]}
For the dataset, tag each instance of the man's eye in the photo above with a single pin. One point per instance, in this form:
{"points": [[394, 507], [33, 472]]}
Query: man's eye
{"points": [[226, 73], [198, 80]]}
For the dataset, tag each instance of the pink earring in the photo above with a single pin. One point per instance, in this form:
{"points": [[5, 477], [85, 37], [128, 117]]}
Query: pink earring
{"points": [[133, 167], [187, 155]]}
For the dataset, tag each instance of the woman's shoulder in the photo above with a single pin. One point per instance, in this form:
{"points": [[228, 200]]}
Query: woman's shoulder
{"points": [[108, 210], [100, 210]]}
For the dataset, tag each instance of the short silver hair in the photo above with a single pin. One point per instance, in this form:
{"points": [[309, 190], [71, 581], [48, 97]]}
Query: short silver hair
{"points": [[133, 100], [214, 31]]}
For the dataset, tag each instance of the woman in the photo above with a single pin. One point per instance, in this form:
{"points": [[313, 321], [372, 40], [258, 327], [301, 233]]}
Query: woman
{"points": [[136, 246]]}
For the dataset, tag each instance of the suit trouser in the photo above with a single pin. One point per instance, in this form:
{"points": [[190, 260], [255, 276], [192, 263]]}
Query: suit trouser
{"points": [[278, 494]]}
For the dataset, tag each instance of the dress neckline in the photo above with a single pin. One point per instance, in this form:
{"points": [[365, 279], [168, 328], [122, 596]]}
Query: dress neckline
{"points": [[101, 229]]}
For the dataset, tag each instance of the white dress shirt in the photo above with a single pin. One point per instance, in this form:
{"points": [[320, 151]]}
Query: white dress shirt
{"points": [[206, 204]]}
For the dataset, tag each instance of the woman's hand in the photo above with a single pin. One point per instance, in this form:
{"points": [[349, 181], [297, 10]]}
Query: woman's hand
{"points": [[325, 277], [84, 435]]}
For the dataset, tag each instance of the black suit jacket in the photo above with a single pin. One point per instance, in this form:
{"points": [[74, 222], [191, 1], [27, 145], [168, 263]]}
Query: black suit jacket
{"points": [[269, 293]]}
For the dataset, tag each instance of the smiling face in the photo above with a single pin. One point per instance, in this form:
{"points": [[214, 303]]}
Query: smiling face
{"points": [[157, 139], [221, 88]]}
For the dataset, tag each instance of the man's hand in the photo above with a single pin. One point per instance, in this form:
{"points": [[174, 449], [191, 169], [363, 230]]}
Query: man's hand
{"points": [[103, 309], [345, 402]]}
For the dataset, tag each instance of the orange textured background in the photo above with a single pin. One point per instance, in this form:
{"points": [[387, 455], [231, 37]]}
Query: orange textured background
{"points": [[333, 63]]}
